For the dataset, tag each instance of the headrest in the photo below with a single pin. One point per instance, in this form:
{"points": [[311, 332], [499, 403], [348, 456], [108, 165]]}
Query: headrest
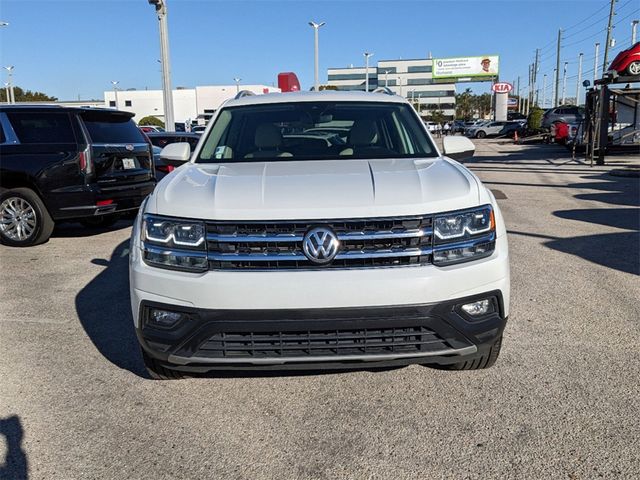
{"points": [[363, 133], [268, 136]]}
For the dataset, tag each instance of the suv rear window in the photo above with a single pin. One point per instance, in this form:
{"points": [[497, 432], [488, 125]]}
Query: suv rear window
{"points": [[316, 131], [110, 128], [42, 127]]}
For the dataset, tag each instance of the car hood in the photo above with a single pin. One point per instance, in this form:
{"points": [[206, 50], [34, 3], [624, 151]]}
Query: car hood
{"points": [[315, 189]]}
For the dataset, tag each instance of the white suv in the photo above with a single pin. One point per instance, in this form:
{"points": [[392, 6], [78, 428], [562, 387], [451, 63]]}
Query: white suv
{"points": [[318, 229]]}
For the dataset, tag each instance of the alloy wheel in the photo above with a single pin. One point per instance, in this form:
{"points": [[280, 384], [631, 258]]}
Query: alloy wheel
{"points": [[17, 219]]}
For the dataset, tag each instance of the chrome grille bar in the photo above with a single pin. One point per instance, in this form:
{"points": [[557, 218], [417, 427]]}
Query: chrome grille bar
{"points": [[212, 237]]}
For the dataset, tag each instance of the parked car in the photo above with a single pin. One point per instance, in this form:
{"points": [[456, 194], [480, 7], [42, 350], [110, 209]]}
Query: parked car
{"points": [[151, 129], [483, 130], [458, 126], [627, 62], [510, 128], [380, 251], [165, 138], [199, 129], [59, 163], [564, 113], [433, 127]]}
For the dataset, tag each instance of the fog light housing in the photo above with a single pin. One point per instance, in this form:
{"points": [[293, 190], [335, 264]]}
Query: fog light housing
{"points": [[478, 308], [165, 318]]}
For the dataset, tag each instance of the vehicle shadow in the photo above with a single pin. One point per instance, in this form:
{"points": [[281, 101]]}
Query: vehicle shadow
{"points": [[104, 309], [76, 230], [16, 465]]}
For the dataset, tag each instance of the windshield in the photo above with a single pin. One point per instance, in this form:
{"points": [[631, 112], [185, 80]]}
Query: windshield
{"points": [[316, 131]]}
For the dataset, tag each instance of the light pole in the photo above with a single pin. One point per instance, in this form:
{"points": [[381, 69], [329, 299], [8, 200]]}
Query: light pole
{"points": [[115, 91], [595, 63], [366, 70], [237, 80], [634, 29], [386, 78], [316, 81], [11, 98], [167, 93], [6, 91], [544, 91], [579, 81], [400, 84]]}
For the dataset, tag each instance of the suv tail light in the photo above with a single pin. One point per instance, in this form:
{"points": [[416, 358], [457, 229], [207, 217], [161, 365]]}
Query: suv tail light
{"points": [[165, 168], [84, 161]]}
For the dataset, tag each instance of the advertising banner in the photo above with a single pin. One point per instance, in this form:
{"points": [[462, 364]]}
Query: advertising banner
{"points": [[484, 66]]}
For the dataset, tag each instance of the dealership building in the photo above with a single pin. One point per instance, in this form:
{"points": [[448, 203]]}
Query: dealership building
{"points": [[429, 83], [189, 104]]}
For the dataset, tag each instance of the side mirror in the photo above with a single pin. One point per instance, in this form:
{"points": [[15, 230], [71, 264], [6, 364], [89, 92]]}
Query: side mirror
{"points": [[176, 153], [458, 148]]}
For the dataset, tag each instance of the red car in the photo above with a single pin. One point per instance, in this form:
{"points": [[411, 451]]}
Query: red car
{"points": [[627, 61]]}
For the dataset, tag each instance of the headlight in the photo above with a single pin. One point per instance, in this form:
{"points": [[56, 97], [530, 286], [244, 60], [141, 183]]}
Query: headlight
{"points": [[463, 236], [174, 244]]}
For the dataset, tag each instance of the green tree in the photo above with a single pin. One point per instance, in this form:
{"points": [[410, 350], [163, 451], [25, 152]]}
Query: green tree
{"points": [[436, 116], [152, 121], [21, 95], [534, 121]]}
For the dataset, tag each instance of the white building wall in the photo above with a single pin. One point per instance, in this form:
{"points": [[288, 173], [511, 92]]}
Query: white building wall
{"points": [[188, 103]]}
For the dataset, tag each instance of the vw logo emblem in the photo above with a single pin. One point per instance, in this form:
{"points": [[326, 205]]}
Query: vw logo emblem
{"points": [[320, 245], [129, 147]]}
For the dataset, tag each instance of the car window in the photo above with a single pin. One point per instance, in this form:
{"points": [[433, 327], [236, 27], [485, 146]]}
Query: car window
{"points": [[111, 128], [42, 127], [297, 131], [2, 137]]}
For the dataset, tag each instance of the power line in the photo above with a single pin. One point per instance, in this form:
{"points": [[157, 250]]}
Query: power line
{"points": [[587, 18]]}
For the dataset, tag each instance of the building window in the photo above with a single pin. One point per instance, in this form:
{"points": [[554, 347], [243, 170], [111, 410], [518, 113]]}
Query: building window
{"points": [[435, 93], [127, 103], [210, 110], [112, 103], [419, 81], [349, 76], [381, 70], [419, 69]]}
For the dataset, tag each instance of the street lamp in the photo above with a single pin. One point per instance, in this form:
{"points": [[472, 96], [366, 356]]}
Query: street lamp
{"points": [[316, 27], [6, 91], [237, 80], [167, 93], [400, 85], [386, 78], [11, 98], [366, 74], [115, 91]]}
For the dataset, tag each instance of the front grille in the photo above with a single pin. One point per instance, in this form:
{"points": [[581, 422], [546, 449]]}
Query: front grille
{"points": [[278, 245], [322, 343]]}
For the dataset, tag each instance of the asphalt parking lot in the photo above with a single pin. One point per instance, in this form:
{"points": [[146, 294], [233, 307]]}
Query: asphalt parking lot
{"points": [[561, 402]]}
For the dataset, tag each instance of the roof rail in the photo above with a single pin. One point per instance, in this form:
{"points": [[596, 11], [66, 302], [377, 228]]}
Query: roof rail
{"points": [[386, 90], [243, 93]]}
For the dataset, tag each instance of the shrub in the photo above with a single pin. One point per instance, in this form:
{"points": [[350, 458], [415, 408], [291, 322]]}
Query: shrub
{"points": [[152, 121], [534, 121]]}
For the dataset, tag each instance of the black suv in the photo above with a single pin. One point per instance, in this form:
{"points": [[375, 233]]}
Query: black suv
{"points": [[59, 163]]}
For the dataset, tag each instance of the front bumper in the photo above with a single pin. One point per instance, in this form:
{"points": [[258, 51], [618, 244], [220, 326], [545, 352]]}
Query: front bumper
{"points": [[306, 338]]}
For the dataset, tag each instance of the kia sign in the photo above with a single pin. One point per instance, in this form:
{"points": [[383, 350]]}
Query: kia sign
{"points": [[502, 87], [484, 66]]}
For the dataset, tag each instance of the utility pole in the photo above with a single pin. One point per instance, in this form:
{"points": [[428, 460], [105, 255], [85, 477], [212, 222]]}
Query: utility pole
{"points": [[11, 98], [167, 92], [544, 91], [634, 29], [554, 91], [609, 28], [595, 63], [316, 80], [579, 82], [6, 91], [564, 83], [557, 70], [237, 80], [518, 90], [366, 70], [535, 71], [386, 78]]}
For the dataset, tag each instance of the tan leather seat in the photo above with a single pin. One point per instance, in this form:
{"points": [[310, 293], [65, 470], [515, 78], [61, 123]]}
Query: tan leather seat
{"points": [[268, 139]]}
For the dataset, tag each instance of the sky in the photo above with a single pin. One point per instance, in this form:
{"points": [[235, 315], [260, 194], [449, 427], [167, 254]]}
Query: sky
{"points": [[74, 48]]}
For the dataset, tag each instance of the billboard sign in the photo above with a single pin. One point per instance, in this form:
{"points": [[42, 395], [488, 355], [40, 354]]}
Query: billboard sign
{"points": [[484, 66]]}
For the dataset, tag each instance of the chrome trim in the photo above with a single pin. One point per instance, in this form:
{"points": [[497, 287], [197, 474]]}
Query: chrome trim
{"points": [[293, 256], [470, 350], [212, 237], [472, 242]]}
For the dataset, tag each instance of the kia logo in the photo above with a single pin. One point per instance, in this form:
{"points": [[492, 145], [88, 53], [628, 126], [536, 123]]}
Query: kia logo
{"points": [[502, 87]]}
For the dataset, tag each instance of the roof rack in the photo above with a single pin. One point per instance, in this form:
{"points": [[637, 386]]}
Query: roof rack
{"points": [[243, 93], [386, 90]]}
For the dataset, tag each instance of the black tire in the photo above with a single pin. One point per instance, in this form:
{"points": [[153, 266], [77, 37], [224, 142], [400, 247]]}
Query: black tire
{"points": [[634, 68], [157, 371], [101, 221], [476, 362], [43, 222], [481, 134]]}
